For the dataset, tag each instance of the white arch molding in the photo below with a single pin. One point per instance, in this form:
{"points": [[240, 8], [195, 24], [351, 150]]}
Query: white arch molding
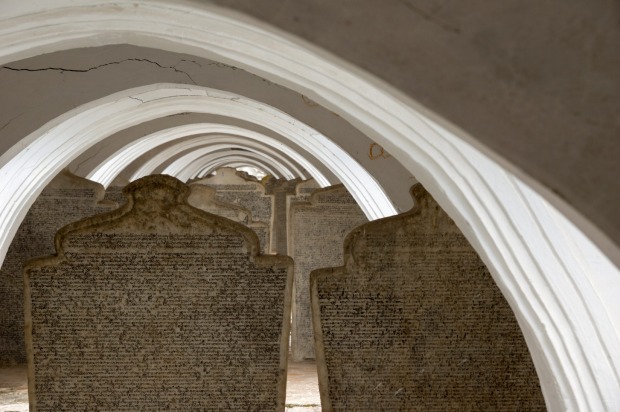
{"points": [[274, 164], [154, 101], [566, 314], [226, 161], [243, 165], [214, 143], [286, 168], [187, 166], [106, 172]]}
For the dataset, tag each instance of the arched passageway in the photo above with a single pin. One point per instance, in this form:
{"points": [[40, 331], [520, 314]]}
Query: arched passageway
{"points": [[564, 301]]}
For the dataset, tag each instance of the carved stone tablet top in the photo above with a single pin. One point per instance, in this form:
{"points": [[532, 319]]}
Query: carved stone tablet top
{"points": [[157, 306], [317, 231], [228, 176], [414, 322], [203, 197]]}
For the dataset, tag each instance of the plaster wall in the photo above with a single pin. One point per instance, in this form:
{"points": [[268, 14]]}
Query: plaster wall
{"points": [[537, 83], [58, 82]]}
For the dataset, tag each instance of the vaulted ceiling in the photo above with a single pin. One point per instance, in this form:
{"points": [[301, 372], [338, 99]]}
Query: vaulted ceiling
{"points": [[116, 90]]}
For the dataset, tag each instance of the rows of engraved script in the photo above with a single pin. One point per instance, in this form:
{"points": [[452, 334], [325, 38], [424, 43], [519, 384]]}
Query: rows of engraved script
{"points": [[65, 200], [169, 318], [415, 322], [318, 229]]}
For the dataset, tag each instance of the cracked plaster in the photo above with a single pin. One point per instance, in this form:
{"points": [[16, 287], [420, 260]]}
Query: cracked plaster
{"points": [[98, 71]]}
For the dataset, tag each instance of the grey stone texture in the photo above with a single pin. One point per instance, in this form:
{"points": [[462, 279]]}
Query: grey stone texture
{"points": [[237, 189], [318, 229], [414, 322], [66, 198], [204, 197], [158, 306], [115, 194]]}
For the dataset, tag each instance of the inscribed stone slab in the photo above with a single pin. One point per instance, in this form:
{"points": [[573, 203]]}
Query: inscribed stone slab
{"points": [[66, 198], [280, 189], [235, 189], [414, 322], [115, 194], [203, 197], [318, 231], [303, 190], [158, 306]]}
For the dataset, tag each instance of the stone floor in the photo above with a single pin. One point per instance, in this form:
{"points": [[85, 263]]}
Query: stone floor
{"points": [[13, 389], [302, 392]]}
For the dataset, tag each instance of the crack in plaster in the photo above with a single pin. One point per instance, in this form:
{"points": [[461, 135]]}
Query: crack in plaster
{"points": [[77, 169], [9, 122], [432, 17], [135, 98], [64, 69]]}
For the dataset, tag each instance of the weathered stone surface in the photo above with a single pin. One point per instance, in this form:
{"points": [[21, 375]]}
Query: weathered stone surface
{"points": [[158, 306], [414, 322], [204, 198], [303, 190], [115, 194], [318, 230], [250, 194], [66, 199], [280, 189]]}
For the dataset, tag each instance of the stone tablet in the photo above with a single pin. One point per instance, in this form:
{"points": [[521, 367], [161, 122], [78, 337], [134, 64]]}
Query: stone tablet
{"points": [[280, 189], [115, 194], [203, 197], [231, 187], [414, 322], [303, 191], [318, 231], [66, 198], [158, 306]]}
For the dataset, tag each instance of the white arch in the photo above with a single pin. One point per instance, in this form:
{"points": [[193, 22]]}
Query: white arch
{"points": [[571, 331], [187, 166], [290, 170], [113, 165], [235, 165], [209, 165], [273, 160], [156, 101]]}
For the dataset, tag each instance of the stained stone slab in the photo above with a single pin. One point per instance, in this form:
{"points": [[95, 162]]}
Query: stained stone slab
{"points": [[414, 322], [66, 198], [231, 187], [318, 231], [203, 197], [280, 189], [115, 194], [303, 191], [157, 306]]}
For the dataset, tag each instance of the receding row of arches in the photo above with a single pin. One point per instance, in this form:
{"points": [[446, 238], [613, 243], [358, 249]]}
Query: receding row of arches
{"points": [[245, 94]]}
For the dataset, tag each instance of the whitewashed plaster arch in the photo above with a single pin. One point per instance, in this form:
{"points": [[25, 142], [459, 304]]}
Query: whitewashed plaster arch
{"points": [[187, 166], [567, 315], [196, 143], [231, 161], [270, 158], [155, 101], [243, 165], [105, 172]]}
